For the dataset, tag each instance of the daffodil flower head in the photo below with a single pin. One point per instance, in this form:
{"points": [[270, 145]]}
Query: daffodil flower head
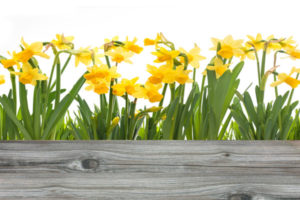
{"points": [[293, 52], [29, 75], [29, 51], [193, 56], [218, 67], [120, 54], [149, 91], [247, 53], [163, 55], [131, 46], [99, 86], [83, 55], [182, 76], [7, 63], [286, 78], [63, 42], [101, 72], [164, 73], [287, 43], [126, 85], [156, 41], [256, 42], [229, 46]]}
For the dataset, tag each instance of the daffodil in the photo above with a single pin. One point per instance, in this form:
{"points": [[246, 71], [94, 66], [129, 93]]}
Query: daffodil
{"points": [[273, 43], [164, 74], [293, 53], [99, 77], [119, 54], [149, 91], [109, 43], [128, 86], [2, 79], [163, 55], [131, 46], [218, 67], [83, 55], [284, 78], [148, 41], [99, 86], [287, 43], [101, 72], [7, 63], [193, 56], [29, 75], [247, 53], [29, 51], [229, 47], [256, 42], [182, 76], [63, 42]]}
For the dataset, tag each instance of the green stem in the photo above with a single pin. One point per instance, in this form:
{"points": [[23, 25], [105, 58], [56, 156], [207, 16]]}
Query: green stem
{"points": [[111, 98], [156, 114], [126, 116], [257, 65], [14, 88], [62, 71], [276, 91]]}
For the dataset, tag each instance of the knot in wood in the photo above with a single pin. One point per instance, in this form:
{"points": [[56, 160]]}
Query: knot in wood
{"points": [[90, 163], [240, 197]]}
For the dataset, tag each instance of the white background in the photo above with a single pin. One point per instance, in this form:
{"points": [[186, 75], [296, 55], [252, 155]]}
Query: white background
{"points": [[183, 22]]}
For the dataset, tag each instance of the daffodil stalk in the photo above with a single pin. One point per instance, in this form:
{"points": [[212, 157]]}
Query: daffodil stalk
{"points": [[111, 101]]}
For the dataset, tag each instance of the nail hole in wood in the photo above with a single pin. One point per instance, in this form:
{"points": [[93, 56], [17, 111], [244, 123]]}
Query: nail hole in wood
{"points": [[90, 164]]}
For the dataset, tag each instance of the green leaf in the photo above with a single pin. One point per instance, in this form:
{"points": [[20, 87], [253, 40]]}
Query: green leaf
{"points": [[5, 103], [62, 108]]}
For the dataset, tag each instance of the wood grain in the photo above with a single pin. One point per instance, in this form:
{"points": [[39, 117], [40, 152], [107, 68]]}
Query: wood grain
{"points": [[138, 170]]}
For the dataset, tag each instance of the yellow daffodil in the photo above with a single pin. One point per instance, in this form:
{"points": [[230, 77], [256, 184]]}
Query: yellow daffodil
{"points": [[163, 55], [247, 53], [284, 78], [273, 44], [257, 42], [128, 86], [149, 91], [63, 42], [193, 55], [29, 75], [99, 86], [287, 43], [229, 47], [102, 72], [99, 77], [2, 79], [84, 56], [293, 53], [29, 51], [164, 74], [119, 54], [218, 67], [148, 42], [131, 46], [7, 63], [182, 76]]}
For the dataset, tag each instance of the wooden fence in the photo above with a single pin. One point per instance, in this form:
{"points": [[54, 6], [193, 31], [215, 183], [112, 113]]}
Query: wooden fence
{"points": [[142, 170]]}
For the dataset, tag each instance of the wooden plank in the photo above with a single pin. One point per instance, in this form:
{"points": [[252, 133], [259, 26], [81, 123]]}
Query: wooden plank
{"points": [[137, 170]]}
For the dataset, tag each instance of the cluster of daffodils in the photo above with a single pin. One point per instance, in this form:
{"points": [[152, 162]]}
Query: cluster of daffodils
{"points": [[102, 62]]}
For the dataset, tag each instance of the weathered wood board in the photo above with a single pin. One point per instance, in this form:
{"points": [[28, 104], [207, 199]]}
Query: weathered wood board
{"points": [[142, 170]]}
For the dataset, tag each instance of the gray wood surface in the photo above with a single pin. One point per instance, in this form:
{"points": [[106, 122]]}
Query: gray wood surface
{"points": [[138, 170]]}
